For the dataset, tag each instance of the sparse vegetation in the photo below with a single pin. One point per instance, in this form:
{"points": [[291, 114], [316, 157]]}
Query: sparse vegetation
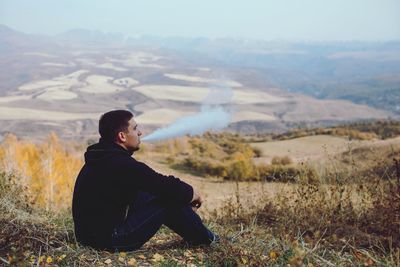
{"points": [[286, 173], [47, 170], [225, 156], [381, 129], [285, 160], [347, 215]]}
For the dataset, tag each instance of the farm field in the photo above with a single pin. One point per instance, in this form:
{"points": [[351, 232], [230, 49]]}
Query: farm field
{"points": [[198, 94], [227, 83], [15, 113]]}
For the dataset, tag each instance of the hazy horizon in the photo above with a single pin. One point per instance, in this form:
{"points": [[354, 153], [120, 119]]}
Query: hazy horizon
{"points": [[307, 20]]}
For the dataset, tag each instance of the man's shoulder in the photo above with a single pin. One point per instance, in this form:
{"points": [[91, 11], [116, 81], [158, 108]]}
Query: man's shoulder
{"points": [[126, 161]]}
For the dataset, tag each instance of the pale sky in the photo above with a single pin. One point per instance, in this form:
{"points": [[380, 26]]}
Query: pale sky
{"points": [[292, 20]]}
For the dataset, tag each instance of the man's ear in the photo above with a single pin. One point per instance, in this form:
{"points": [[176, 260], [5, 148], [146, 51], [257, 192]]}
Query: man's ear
{"points": [[121, 138]]}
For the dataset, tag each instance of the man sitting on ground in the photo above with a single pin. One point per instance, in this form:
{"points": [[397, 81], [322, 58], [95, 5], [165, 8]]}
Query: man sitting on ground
{"points": [[120, 203]]}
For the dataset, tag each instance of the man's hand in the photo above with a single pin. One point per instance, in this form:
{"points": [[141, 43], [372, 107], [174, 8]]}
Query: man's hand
{"points": [[196, 201]]}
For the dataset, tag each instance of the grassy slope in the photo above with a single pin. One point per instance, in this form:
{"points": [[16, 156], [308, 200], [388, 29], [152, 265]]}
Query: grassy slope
{"points": [[303, 148], [320, 229]]}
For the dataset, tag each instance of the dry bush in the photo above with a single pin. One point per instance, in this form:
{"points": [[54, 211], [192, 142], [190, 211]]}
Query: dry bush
{"points": [[278, 173], [284, 160], [202, 167], [360, 131], [14, 198], [342, 215], [257, 152], [47, 170], [241, 168], [339, 223], [224, 156], [286, 173], [237, 167], [24, 228], [354, 213]]}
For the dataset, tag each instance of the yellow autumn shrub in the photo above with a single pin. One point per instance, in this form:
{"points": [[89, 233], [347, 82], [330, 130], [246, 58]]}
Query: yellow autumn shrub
{"points": [[48, 170]]}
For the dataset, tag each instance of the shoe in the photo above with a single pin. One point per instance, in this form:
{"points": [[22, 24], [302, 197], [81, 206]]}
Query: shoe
{"points": [[216, 239]]}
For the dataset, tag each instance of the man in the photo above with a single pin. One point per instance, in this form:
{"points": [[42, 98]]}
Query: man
{"points": [[120, 203]]}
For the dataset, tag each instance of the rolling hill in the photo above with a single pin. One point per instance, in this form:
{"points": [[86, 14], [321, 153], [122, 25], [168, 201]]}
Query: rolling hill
{"points": [[64, 83]]}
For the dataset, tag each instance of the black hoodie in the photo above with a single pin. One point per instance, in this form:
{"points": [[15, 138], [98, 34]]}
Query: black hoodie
{"points": [[108, 182]]}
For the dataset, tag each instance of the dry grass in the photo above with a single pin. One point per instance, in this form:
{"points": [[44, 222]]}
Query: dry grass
{"points": [[349, 216], [40, 85], [176, 93], [110, 66], [12, 98], [251, 116], [254, 96], [60, 82], [100, 84], [276, 235], [56, 94], [311, 109], [305, 148]]}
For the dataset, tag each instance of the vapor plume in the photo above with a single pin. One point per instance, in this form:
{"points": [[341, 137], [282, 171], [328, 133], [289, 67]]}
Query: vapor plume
{"points": [[211, 117]]}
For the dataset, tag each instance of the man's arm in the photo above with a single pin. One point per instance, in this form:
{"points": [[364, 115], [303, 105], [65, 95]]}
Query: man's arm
{"points": [[168, 187]]}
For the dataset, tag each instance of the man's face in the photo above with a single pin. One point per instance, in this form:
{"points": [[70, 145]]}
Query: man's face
{"points": [[132, 136]]}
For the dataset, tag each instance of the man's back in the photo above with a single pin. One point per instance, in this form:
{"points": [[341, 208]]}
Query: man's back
{"points": [[98, 201], [108, 182]]}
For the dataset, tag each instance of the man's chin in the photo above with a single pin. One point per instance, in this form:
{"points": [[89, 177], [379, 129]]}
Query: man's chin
{"points": [[133, 149]]}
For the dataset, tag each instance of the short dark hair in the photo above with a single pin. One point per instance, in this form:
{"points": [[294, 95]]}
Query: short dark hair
{"points": [[113, 122]]}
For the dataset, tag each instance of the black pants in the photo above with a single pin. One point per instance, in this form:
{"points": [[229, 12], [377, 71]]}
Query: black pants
{"points": [[148, 214]]}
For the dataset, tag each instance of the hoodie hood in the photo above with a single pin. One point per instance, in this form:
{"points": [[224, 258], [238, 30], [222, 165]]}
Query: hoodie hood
{"points": [[104, 150]]}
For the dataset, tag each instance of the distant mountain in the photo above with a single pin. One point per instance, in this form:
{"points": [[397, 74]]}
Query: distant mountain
{"points": [[64, 82], [365, 73], [88, 37], [7, 31], [12, 40]]}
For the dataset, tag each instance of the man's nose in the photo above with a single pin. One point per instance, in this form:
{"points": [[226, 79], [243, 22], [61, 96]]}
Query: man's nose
{"points": [[139, 133]]}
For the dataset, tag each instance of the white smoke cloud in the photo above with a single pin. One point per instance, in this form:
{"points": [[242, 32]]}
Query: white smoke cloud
{"points": [[211, 117]]}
